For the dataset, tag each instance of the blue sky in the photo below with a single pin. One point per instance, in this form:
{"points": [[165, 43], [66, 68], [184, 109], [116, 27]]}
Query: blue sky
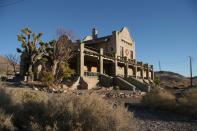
{"points": [[164, 30]]}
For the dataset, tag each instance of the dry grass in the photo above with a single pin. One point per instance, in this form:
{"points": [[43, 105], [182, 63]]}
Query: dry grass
{"points": [[188, 104], [5, 121], [33, 110], [164, 100], [160, 99]]}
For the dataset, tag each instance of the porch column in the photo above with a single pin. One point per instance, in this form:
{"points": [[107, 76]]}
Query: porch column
{"points": [[126, 67], [101, 60], [148, 72], [142, 73], [115, 65], [135, 69], [142, 68], [81, 57], [78, 62], [153, 76]]}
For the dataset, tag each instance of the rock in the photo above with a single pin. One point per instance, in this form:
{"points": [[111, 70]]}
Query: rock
{"points": [[35, 88]]}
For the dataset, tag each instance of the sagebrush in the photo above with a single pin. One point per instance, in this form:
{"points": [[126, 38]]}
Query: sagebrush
{"points": [[164, 100], [42, 111]]}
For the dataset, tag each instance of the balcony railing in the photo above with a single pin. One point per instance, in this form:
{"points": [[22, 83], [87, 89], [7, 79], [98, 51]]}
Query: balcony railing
{"points": [[91, 48], [92, 74], [131, 61], [120, 58], [109, 55]]}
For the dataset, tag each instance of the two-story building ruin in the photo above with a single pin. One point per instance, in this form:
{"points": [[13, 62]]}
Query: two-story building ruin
{"points": [[113, 56]]}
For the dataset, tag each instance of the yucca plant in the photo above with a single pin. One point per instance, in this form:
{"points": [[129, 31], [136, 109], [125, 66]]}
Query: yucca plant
{"points": [[30, 51]]}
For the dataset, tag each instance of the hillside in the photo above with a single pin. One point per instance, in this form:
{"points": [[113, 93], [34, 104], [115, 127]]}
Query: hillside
{"points": [[172, 80], [195, 80], [5, 67]]}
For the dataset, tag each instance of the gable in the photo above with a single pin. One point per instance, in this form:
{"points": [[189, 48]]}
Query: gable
{"points": [[125, 35], [87, 38]]}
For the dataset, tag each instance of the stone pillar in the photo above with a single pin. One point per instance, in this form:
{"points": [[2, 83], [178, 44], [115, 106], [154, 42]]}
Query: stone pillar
{"points": [[148, 77], [142, 73], [153, 76], [81, 57], [126, 67], [135, 69], [78, 62], [115, 65], [101, 60]]}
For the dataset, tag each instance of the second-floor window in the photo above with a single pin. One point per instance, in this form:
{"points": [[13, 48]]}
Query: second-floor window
{"points": [[131, 54], [121, 51]]}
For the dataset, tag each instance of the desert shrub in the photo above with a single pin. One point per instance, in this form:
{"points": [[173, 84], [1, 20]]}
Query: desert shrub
{"points": [[116, 88], [63, 72], [47, 78], [157, 82], [188, 104], [88, 113], [164, 100], [160, 99], [4, 98], [40, 111], [5, 121]]}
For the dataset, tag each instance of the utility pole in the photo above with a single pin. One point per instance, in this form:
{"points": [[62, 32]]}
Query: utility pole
{"points": [[190, 62]]}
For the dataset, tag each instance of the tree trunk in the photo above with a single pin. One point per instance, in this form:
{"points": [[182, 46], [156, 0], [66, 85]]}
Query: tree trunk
{"points": [[14, 66], [54, 68], [30, 76]]}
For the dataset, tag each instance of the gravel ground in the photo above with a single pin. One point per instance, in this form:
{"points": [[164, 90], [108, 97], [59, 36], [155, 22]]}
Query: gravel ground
{"points": [[149, 120]]}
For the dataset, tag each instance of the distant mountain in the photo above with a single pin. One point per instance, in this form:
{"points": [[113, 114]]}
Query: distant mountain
{"points": [[172, 80], [195, 80], [5, 67], [3, 59]]}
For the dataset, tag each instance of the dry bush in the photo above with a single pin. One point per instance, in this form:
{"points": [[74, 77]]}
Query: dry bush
{"points": [[5, 119], [5, 122], [160, 99], [164, 100], [188, 104], [40, 111], [5, 100], [88, 113]]}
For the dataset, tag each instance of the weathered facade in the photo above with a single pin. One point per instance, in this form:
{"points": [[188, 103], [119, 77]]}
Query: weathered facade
{"points": [[112, 55]]}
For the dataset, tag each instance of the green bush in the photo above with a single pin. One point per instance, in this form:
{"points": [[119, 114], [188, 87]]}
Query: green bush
{"points": [[47, 78]]}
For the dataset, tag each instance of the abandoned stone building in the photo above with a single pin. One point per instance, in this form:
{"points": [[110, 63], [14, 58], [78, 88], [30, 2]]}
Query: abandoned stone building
{"points": [[111, 60]]}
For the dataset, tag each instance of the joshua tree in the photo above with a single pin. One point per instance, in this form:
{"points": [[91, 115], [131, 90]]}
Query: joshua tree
{"points": [[30, 51], [57, 54], [13, 60]]}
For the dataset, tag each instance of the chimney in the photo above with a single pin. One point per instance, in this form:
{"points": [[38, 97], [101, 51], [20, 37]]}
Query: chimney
{"points": [[94, 33]]}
